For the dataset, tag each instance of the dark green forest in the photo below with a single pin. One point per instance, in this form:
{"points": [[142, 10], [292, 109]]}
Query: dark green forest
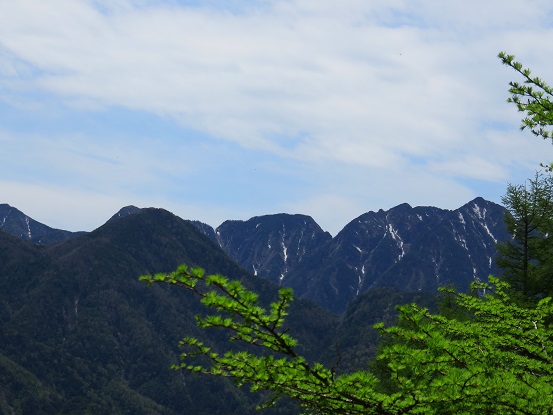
{"points": [[81, 334]]}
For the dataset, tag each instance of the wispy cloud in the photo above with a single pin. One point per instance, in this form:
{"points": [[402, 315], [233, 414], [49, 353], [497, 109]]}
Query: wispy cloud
{"points": [[404, 92]]}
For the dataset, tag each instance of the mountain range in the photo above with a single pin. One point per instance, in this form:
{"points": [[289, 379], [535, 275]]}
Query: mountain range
{"points": [[412, 249], [80, 334]]}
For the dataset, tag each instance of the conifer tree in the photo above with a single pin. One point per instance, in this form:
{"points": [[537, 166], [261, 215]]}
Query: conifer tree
{"points": [[527, 258]]}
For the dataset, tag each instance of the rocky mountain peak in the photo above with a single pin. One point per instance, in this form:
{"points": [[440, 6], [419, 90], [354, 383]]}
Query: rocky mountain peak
{"points": [[15, 222], [271, 245]]}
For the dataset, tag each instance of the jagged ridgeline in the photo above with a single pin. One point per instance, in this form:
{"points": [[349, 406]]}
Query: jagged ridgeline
{"points": [[411, 249]]}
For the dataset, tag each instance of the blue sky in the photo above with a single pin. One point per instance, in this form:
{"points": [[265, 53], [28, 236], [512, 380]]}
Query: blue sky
{"points": [[221, 110]]}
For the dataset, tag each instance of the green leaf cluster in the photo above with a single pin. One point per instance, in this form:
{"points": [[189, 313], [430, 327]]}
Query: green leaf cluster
{"points": [[277, 367], [497, 361]]}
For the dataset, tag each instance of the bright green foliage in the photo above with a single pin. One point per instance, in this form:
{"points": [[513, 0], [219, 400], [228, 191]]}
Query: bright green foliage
{"points": [[526, 259], [497, 361], [277, 367], [500, 361], [533, 97]]}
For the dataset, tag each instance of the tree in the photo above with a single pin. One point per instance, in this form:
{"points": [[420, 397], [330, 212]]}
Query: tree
{"points": [[526, 259], [533, 97], [500, 361]]}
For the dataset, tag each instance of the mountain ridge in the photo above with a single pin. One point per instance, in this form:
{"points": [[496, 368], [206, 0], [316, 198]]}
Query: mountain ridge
{"points": [[410, 248], [17, 223]]}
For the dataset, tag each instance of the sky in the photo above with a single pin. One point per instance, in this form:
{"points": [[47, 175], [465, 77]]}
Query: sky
{"points": [[218, 110]]}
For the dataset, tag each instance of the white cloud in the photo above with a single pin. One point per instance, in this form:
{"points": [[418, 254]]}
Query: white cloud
{"points": [[408, 88]]}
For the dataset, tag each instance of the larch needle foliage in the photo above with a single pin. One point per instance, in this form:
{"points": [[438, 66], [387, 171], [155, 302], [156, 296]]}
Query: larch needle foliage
{"points": [[533, 96], [498, 361]]}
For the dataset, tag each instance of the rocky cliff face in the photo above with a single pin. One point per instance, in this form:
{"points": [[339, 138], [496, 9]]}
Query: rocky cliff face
{"points": [[409, 248], [271, 246]]}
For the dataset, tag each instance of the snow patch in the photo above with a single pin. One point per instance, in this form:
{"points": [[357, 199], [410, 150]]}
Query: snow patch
{"points": [[481, 213], [477, 211], [283, 245], [284, 254], [462, 241], [485, 226], [435, 268], [397, 238], [359, 249], [302, 253], [361, 279], [28, 227]]}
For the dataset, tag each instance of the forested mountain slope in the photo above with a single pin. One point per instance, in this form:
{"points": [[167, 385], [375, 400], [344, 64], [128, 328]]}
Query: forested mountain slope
{"points": [[81, 334]]}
